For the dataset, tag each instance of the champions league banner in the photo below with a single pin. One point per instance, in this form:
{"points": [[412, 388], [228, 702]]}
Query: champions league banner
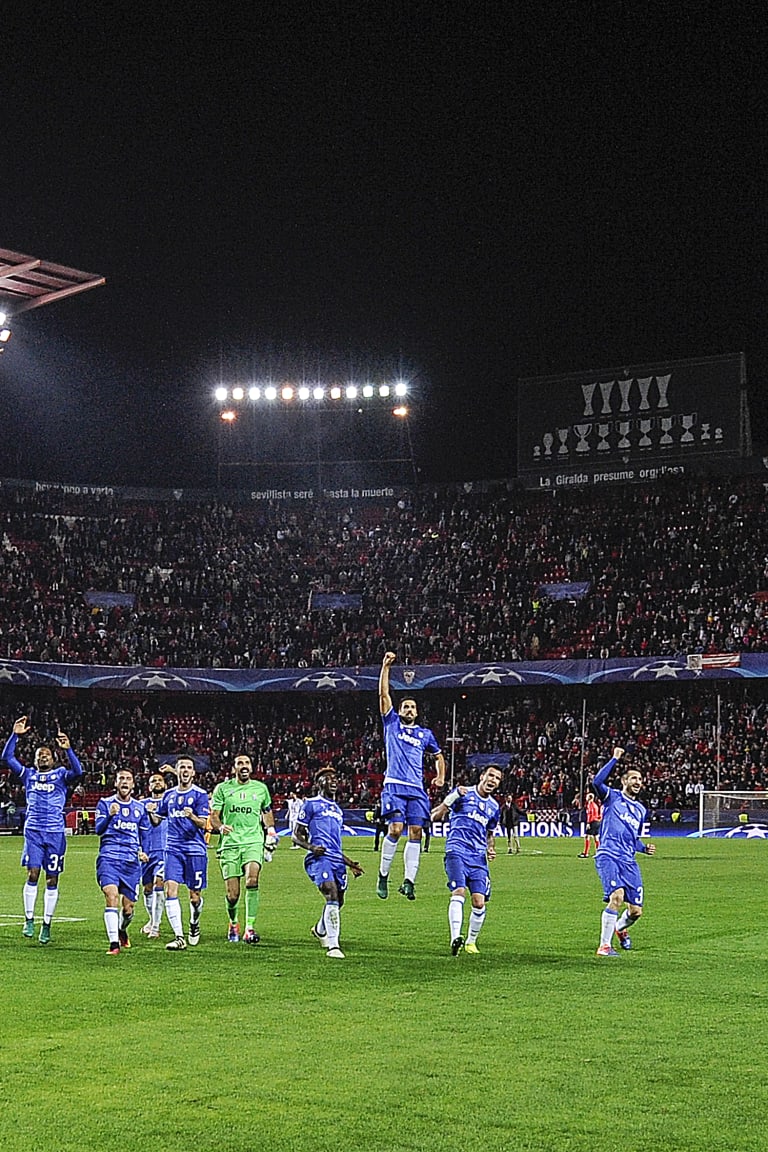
{"points": [[631, 424], [415, 678]]}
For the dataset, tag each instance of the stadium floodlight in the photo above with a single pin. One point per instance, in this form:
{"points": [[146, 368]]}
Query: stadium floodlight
{"points": [[352, 392], [254, 393], [304, 393], [270, 393], [335, 393], [3, 318], [228, 416], [401, 388], [367, 391], [384, 390], [287, 392], [238, 393], [221, 394], [5, 335], [318, 393], [401, 411]]}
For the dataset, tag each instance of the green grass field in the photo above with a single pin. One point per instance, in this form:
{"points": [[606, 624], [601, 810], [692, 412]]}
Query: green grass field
{"points": [[534, 1044]]}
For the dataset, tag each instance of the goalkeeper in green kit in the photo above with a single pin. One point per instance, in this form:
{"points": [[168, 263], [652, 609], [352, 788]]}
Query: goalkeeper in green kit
{"points": [[241, 812]]}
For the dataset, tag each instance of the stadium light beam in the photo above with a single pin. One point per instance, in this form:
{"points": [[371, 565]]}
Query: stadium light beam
{"points": [[221, 395], [238, 393]]}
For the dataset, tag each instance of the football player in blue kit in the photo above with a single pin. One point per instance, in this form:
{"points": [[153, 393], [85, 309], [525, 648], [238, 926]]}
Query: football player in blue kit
{"points": [[404, 800], [153, 872], [45, 843], [318, 831], [623, 820], [469, 846], [186, 808], [123, 825]]}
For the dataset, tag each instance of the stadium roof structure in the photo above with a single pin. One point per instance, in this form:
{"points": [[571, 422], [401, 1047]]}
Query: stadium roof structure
{"points": [[29, 282]]}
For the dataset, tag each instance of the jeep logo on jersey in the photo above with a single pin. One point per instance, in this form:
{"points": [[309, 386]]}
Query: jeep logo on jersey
{"points": [[244, 808]]}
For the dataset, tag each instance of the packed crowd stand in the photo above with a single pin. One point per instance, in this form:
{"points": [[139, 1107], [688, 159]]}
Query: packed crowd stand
{"points": [[444, 576], [449, 576], [539, 732]]}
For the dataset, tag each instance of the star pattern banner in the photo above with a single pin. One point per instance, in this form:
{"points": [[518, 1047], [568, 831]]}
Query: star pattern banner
{"points": [[412, 678]]}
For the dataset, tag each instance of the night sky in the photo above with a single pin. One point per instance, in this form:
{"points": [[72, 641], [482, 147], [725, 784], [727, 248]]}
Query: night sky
{"points": [[475, 192]]}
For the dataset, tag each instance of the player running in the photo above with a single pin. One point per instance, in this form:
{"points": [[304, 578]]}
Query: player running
{"points": [[241, 812], [404, 799], [45, 843], [318, 831], [469, 846], [153, 872], [623, 820], [124, 828], [186, 808]]}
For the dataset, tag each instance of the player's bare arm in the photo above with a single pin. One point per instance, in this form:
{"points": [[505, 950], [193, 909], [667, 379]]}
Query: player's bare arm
{"points": [[385, 700], [439, 780], [440, 812], [300, 836]]}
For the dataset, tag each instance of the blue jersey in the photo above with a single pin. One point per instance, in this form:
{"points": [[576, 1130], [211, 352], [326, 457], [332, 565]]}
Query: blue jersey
{"points": [[405, 745], [623, 819], [158, 833], [323, 820], [46, 791], [472, 817], [183, 836], [123, 834]]}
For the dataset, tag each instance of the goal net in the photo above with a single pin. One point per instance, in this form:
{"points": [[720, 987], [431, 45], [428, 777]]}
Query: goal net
{"points": [[732, 810]]}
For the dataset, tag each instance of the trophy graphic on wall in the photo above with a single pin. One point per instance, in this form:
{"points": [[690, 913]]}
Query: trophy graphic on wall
{"points": [[644, 384], [688, 423], [605, 392], [548, 440], [665, 440], [625, 386], [602, 443], [582, 431], [662, 383], [562, 435], [588, 391], [624, 427], [645, 427]]}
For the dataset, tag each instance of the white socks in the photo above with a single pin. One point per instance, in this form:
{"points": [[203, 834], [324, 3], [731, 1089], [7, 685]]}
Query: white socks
{"points": [[476, 920], [411, 858], [388, 850], [455, 915], [29, 893], [173, 912], [111, 923], [50, 900], [607, 927]]}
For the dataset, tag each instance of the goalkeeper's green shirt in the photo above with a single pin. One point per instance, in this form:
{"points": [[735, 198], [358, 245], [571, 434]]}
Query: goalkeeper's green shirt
{"points": [[241, 806]]}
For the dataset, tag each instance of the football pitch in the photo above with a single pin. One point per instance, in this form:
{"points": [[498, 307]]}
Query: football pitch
{"points": [[535, 1044]]}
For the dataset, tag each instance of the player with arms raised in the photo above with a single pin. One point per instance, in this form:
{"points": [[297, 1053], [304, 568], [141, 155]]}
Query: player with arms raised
{"points": [[318, 831], [404, 799], [469, 845], [623, 820], [46, 786]]}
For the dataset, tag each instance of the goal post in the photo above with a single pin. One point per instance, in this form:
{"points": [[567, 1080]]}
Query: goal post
{"points": [[726, 810]]}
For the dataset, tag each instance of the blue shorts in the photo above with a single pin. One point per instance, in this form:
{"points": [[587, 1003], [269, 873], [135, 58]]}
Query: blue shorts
{"points": [[155, 866], [321, 871], [124, 874], [189, 870], [44, 850], [462, 874], [616, 874], [411, 808]]}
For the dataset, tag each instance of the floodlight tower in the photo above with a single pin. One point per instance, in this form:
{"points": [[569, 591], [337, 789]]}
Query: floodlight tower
{"points": [[283, 426]]}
